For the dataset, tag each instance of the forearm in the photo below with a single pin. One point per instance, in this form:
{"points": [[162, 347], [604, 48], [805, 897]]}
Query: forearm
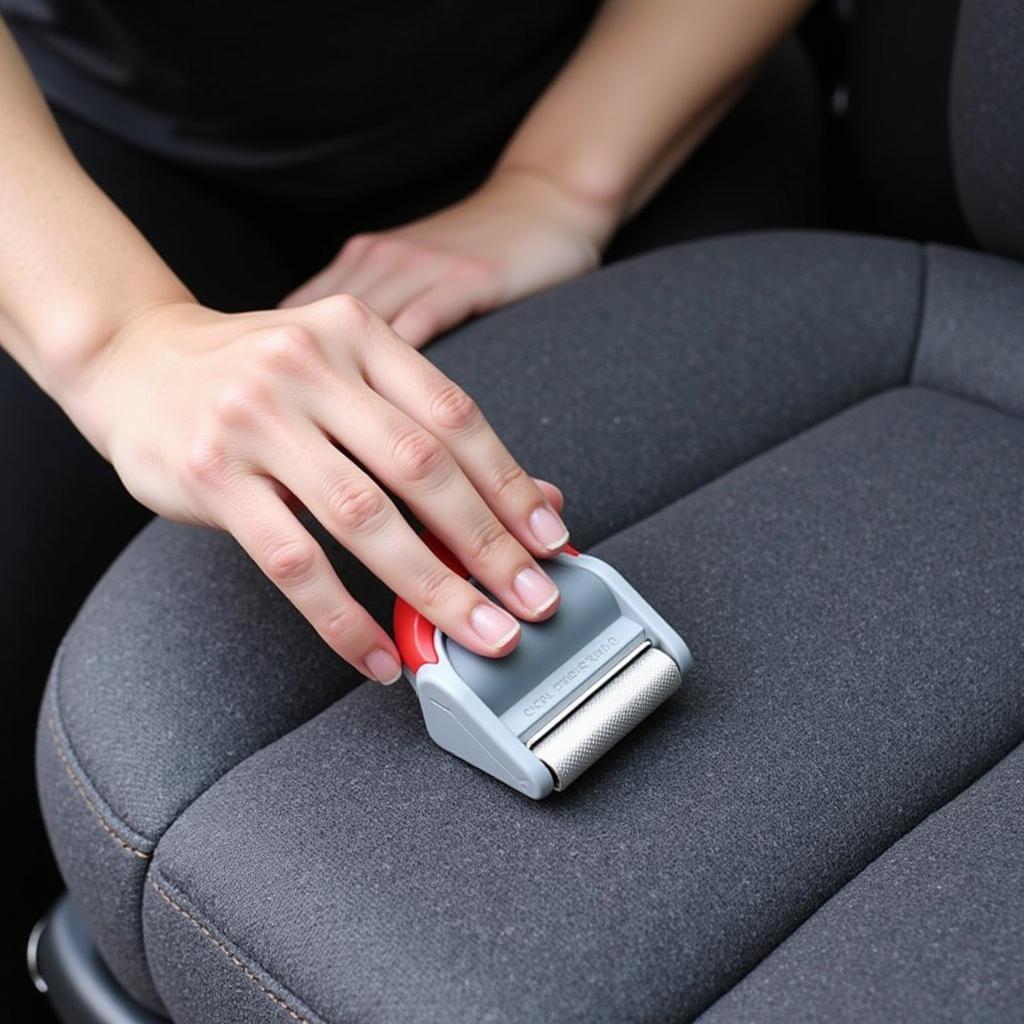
{"points": [[72, 266], [649, 82]]}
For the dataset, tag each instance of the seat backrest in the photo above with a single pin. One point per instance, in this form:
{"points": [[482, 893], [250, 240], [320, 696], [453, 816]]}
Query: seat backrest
{"points": [[933, 134], [987, 122]]}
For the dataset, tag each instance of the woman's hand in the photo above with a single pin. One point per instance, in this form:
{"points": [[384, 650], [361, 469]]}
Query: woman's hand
{"points": [[233, 420], [519, 233]]}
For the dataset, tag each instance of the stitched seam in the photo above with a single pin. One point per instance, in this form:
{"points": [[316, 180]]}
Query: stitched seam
{"points": [[295, 1014], [94, 810], [109, 823]]}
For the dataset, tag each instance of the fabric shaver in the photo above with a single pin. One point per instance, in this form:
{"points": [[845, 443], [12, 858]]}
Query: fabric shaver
{"points": [[574, 686]]}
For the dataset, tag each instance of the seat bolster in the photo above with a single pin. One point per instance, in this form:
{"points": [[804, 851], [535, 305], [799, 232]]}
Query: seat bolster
{"points": [[933, 930], [972, 328], [138, 719], [103, 859]]}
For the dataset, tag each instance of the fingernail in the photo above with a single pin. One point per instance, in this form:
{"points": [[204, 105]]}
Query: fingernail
{"points": [[492, 625], [534, 589], [383, 666], [548, 529]]}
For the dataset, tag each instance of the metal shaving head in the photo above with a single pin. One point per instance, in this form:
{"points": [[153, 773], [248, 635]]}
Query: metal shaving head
{"points": [[605, 717]]}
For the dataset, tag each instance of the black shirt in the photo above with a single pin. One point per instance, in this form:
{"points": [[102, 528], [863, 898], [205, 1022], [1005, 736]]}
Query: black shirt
{"points": [[323, 97]]}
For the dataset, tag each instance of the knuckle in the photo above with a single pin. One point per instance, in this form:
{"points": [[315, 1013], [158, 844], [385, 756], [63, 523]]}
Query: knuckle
{"points": [[290, 350], [347, 311], [507, 478], [416, 454], [420, 256], [242, 404], [357, 244], [290, 560], [473, 271], [340, 624], [453, 409], [208, 461], [436, 586], [355, 506], [423, 317], [386, 247], [486, 540]]}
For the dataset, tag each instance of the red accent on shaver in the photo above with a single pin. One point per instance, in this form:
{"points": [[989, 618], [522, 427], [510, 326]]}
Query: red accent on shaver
{"points": [[414, 632], [414, 636], [569, 550], [444, 554]]}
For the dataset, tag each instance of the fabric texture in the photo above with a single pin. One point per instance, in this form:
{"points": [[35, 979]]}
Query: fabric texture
{"points": [[341, 872], [931, 931], [972, 328], [852, 599], [836, 319], [987, 127]]}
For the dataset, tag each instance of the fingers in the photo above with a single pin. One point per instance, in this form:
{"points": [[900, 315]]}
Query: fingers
{"points": [[420, 436], [328, 281], [552, 493], [384, 272], [421, 290], [462, 293], [316, 287], [395, 291], [415, 464], [357, 512], [290, 557], [445, 411]]}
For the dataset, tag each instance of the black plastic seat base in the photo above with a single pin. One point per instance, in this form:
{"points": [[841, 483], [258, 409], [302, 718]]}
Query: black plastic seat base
{"points": [[75, 979]]}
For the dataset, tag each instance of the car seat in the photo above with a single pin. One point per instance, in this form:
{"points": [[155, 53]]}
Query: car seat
{"points": [[807, 451]]}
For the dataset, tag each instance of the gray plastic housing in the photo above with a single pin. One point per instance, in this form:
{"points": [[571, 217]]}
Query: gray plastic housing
{"points": [[486, 710]]}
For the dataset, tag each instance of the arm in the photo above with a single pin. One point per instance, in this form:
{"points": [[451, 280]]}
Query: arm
{"points": [[649, 81], [72, 266], [233, 421]]}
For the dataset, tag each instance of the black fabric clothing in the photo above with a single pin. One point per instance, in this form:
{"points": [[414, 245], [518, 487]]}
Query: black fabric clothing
{"points": [[313, 97], [238, 250]]}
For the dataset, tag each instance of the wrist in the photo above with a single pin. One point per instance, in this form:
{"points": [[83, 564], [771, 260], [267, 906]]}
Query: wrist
{"points": [[594, 216], [75, 350]]}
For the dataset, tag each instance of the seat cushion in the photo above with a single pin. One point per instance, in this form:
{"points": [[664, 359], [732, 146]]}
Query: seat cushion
{"points": [[853, 599], [828, 584], [629, 387], [931, 931]]}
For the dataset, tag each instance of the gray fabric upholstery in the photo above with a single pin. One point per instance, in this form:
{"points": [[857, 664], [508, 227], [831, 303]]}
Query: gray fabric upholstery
{"points": [[138, 719], [104, 860], [853, 601], [986, 121], [647, 380], [972, 328], [932, 931], [683, 365], [680, 366]]}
